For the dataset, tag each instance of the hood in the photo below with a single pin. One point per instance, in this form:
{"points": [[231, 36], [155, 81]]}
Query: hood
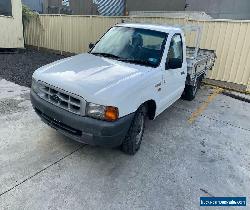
{"points": [[87, 75]]}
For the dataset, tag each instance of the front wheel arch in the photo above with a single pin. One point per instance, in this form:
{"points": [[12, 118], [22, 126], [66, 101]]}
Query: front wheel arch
{"points": [[151, 108]]}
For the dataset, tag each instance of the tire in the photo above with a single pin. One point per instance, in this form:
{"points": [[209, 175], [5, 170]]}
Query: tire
{"points": [[190, 90], [133, 139]]}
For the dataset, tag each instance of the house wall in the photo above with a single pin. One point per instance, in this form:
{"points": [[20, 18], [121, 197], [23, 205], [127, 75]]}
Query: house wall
{"points": [[77, 7], [222, 9], [11, 30], [83, 7], [36, 5], [155, 5]]}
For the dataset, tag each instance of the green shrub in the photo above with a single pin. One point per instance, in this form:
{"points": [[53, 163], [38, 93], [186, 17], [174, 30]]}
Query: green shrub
{"points": [[28, 15]]}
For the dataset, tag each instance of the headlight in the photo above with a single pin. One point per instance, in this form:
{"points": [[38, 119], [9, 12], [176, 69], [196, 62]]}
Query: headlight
{"points": [[108, 113]]}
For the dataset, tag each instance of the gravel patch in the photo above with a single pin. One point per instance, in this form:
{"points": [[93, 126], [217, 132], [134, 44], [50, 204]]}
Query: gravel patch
{"points": [[19, 67]]}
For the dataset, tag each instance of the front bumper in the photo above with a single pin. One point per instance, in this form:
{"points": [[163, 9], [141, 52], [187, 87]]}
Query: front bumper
{"points": [[83, 129]]}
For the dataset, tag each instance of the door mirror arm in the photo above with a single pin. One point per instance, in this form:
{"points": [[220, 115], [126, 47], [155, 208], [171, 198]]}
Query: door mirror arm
{"points": [[91, 45]]}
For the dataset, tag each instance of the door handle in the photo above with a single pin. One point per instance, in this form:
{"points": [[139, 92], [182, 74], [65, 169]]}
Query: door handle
{"points": [[183, 72]]}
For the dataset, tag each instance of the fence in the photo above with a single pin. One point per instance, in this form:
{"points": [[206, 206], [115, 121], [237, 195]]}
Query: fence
{"points": [[230, 39]]}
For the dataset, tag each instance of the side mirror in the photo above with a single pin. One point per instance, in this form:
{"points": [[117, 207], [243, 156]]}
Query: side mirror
{"points": [[174, 63], [91, 45]]}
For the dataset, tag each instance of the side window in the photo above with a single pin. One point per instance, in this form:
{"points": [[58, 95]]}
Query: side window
{"points": [[175, 53], [5, 7]]}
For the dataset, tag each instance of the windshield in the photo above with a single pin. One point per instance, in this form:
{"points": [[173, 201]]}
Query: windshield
{"points": [[133, 45]]}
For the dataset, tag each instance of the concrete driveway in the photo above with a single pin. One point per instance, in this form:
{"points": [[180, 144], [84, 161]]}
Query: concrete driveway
{"points": [[193, 149]]}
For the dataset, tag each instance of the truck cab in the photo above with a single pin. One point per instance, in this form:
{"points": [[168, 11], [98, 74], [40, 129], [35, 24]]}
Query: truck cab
{"points": [[134, 72]]}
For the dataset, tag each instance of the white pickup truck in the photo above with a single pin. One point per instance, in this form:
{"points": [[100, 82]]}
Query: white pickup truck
{"points": [[134, 71]]}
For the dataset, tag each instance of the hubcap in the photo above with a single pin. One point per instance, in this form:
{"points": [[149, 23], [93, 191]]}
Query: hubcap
{"points": [[140, 129]]}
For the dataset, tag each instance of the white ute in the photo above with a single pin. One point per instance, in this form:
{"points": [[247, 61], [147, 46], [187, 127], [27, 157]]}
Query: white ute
{"points": [[134, 71]]}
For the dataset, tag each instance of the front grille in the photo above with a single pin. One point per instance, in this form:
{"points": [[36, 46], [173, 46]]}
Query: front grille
{"points": [[62, 99]]}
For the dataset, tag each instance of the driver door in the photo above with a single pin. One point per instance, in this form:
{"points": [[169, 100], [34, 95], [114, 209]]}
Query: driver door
{"points": [[174, 77]]}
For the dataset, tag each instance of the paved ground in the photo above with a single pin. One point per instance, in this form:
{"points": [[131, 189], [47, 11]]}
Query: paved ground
{"points": [[193, 149]]}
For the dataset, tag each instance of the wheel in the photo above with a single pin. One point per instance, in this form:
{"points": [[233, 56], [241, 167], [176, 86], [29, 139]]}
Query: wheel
{"points": [[190, 90], [133, 139]]}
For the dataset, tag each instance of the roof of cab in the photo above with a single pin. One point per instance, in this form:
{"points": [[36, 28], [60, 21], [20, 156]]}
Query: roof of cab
{"points": [[155, 27]]}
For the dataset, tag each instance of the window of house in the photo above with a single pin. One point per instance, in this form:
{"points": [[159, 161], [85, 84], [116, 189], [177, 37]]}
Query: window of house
{"points": [[5, 7]]}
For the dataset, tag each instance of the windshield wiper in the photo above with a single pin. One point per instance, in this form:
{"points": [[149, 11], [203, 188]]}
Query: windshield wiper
{"points": [[142, 62], [106, 55]]}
